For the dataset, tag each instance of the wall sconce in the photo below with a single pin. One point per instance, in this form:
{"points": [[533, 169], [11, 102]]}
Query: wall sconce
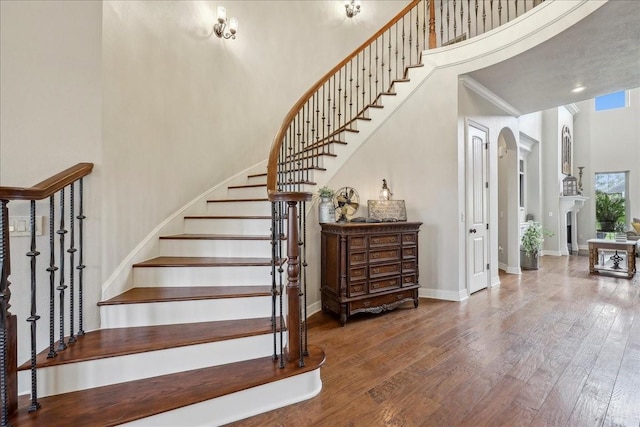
{"points": [[352, 7], [221, 25], [385, 192]]}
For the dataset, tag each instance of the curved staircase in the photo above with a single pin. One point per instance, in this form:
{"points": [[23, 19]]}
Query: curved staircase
{"points": [[192, 342]]}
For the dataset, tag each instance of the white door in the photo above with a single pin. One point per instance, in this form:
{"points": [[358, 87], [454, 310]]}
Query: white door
{"points": [[477, 202]]}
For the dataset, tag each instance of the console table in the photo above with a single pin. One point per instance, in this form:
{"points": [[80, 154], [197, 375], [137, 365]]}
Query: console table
{"points": [[368, 267], [629, 247]]}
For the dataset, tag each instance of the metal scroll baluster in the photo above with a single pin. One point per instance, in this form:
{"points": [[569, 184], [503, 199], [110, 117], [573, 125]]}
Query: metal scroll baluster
{"points": [[304, 281], [274, 290], [491, 14], [370, 75], [339, 123], [469, 19], [33, 318], [382, 64], [5, 295], [462, 19], [61, 287], [484, 17], [81, 265], [300, 292], [441, 23], [281, 283], [404, 65], [376, 69], [52, 278], [345, 96], [72, 272], [357, 94], [455, 22]]}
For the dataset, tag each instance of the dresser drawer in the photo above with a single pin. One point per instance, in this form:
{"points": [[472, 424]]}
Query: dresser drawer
{"points": [[356, 258], [357, 289], [382, 302], [382, 255], [384, 284], [408, 279], [384, 240], [409, 252], [357, 242], [357, 273], [409, 238], [408, 266], [380, 270]]}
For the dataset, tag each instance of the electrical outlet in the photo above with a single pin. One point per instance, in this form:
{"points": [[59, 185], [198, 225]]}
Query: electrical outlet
{"points": [[21, 226]]}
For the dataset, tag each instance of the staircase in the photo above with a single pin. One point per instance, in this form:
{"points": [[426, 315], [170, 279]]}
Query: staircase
{"points": [[197, 340], [196, 326]]}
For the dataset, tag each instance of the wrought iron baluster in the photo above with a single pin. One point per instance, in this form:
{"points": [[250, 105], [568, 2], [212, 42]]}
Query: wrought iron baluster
{"points": [[281, 284], [351, 89], [404, 65], [345, 95], [33, 318], [357, 95], [389, 56], [476, 16], [274, 290], [52, 277], [370, 75], [491, 12], [61, 287], [382, 64], [468, 18], [71, 251], [339, 123], [377, 90], [81, 265], [441, 22], [300, 290], [484, 16], [5, 296]]}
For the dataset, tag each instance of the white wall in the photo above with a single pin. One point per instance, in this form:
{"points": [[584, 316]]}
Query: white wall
{"points": [[184, 110], [607, 141], [51, 101], [162, 110]]}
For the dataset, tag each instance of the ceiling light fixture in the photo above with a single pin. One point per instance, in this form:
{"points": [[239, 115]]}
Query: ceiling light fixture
{"points": [[578, 89], [221, 25], [352, 7]]}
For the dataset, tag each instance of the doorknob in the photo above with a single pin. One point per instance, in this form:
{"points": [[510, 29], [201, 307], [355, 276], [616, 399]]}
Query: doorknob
{"points": [[473, 230]]}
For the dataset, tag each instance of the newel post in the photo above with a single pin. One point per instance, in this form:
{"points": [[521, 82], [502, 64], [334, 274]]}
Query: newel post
{"points": [[432, 24], [8, 327], [293, 349]]}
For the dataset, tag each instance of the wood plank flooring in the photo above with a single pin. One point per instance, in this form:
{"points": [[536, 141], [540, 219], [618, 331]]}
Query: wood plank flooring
{"points": [[552, 347]]}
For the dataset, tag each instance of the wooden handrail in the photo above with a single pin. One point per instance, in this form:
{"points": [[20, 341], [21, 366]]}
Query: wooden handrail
{"points": [[49, 186], [277, 142]]}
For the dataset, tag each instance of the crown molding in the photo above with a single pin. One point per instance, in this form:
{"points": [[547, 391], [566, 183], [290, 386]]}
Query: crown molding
{"points": [[526, 142], [490, 96], [572, 108]]}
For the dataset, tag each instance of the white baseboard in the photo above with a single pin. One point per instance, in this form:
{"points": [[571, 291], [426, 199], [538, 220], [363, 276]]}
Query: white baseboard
{"points": [[443, 295]]}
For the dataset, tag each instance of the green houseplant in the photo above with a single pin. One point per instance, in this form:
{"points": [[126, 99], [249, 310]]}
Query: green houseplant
{"points": [[610, 211], [531, 243]]}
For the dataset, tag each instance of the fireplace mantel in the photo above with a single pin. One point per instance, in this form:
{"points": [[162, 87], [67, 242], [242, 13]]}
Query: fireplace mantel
{"points": [[569, 204]]}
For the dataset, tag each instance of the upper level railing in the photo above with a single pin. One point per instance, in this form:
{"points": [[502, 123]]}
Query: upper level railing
{"points": [[50, 188], [335, 103]]}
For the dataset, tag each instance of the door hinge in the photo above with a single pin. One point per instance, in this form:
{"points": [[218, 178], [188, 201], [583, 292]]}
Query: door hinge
{"points": [[486, 184], [487, 226], [486, 145], [487, 266]]}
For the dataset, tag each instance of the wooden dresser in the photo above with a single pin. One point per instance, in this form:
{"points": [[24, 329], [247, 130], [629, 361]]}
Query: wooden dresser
{"points": [[368, 267]]}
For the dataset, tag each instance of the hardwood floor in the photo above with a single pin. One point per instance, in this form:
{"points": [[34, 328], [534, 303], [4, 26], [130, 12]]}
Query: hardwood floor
{"points": [[552, 347]]}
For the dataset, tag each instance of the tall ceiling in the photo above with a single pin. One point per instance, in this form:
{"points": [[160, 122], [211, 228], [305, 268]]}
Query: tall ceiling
{"points": [[601, 52]]}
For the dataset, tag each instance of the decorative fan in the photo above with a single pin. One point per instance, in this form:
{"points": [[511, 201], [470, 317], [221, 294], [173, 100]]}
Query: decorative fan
{"points": [[346, 202]]}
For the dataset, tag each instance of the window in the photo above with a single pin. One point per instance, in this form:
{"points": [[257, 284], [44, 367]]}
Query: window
{"points": [[611, 202], [611, 101]]}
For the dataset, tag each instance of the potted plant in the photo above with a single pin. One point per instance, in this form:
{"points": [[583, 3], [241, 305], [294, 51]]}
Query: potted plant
{"points": [[610, 211], [531, 244], [326, 211]]}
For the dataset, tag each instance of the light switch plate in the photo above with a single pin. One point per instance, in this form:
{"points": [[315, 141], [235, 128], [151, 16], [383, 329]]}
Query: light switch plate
{"points": [[21, 226]]}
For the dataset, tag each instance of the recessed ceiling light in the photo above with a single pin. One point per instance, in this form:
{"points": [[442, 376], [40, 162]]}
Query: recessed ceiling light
{"points": [[578, 89]]}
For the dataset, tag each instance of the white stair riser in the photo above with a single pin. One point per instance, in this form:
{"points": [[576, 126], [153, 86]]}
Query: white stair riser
{"points": [[131, 367], [247, 192], [201, 276], [237, 208], [173, 312], [227, 226], [234, 407], [215, 248]]}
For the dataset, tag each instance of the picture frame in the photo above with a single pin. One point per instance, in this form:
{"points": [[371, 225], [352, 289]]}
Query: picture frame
{"points": [[387, 210]]}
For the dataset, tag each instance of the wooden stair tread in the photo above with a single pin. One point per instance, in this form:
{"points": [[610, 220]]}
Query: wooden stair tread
{"points": [[236, 200], [185, 293], [178, 261], [228, 217], [104, 343], [120, 403], [214, 237], [247, 186]]}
